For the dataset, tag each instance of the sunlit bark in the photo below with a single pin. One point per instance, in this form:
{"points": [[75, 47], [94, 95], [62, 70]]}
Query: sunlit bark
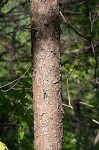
{"points": [[48, 128]]}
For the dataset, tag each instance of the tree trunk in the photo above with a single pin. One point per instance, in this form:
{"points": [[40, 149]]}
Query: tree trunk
{"points": [[48, 127]]}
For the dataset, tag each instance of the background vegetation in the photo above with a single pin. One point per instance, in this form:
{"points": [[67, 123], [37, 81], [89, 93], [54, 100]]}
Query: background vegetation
{"points": [[79, 22]]}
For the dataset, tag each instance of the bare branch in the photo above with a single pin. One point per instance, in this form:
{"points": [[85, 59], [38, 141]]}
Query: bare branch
{"points": [[72, 27], [86, 104], [69, 100], [67, 105], [82, 51], [15, 81], [97, 122]]}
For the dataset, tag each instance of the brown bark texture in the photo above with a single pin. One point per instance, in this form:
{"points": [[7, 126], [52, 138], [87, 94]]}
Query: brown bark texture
{"points": [[48, 127]]}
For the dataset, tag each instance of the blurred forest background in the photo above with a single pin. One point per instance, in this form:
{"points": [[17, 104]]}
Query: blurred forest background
{"points": [[79, 22]]}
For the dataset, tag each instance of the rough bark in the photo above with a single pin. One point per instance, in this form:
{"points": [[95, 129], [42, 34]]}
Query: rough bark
{"points": [[48, 128]]}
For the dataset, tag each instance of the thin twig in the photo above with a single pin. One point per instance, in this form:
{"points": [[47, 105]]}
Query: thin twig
{"points": [[71, 71], [68, 93], [95, 17], [96, 61], [97, 122], [92, 45], [67, 105], [72, 26], [69, 100], [86, 104], [17, 80]]}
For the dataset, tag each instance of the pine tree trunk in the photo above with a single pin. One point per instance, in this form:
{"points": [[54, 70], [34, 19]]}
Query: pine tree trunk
{"points": [[48, 127]]}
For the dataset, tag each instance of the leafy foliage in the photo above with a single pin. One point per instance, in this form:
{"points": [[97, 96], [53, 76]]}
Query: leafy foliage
{"points": [[79, 59]]}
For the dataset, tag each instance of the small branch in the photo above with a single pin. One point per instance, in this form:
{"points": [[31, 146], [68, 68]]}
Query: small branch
{"points": [[95, 121], [72, 27], [76, 13], [67, 105], [19, 89], [86, 104], [16, 81], [71, 71], [82, 51], [8, 84], [93, 48], [97, 82], [92, 20], [69, 100], [96, 15]]}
